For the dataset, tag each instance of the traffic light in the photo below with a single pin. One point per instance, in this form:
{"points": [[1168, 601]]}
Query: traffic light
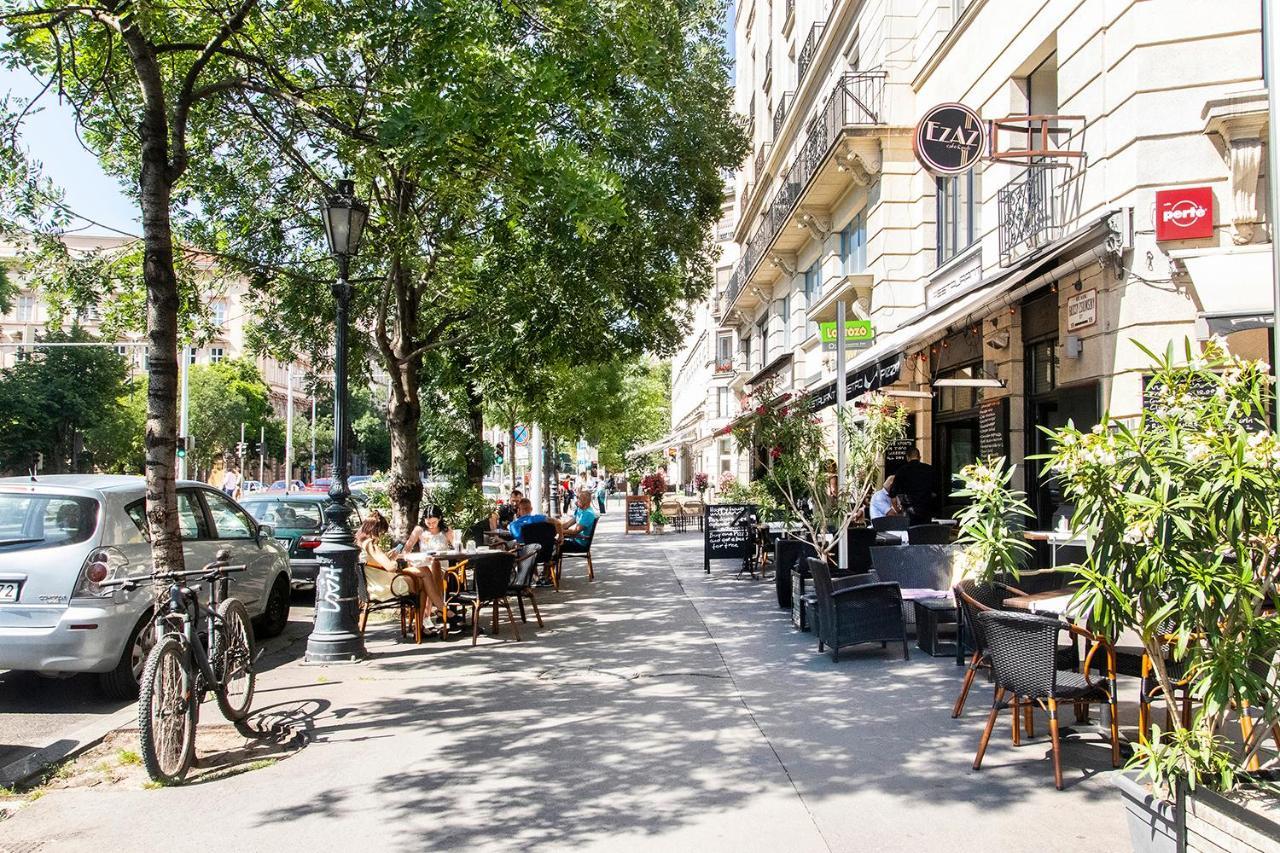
{"points": [[182, 447], [500, 452]]}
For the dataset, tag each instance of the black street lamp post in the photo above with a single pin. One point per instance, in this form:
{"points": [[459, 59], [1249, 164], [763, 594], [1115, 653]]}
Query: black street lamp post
{"points": [[335, 637]]}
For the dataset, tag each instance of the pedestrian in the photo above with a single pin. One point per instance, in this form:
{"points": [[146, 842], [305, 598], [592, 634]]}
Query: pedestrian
{"points": [[912, 489], [602, 492], [231, 482]]}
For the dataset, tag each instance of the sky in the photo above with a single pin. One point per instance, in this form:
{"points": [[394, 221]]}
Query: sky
{"points": [[49, 136]]}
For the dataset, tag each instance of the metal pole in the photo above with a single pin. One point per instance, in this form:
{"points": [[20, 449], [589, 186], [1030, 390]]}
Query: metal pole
{"points": [[1270, 65], [240, 448], [313, 436], [335, 637], [535, 465], [288, 427], [184, 366], [262, 455], [841, 399]]}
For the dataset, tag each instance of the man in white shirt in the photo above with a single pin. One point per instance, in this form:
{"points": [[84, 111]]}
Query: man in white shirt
{"points": [[881, 503], [231, 482]]}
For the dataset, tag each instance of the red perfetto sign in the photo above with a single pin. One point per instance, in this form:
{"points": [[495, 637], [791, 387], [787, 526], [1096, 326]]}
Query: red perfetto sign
{"points": [[1184, 214]]}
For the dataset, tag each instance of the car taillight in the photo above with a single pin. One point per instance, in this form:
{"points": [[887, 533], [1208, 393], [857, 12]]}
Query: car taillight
{"points": [[103, 564], [309, 542]]}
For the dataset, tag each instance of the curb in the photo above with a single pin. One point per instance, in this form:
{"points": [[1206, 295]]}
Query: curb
{"points": [[26, 769]]}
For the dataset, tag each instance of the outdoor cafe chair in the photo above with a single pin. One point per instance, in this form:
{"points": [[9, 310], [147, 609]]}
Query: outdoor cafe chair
{"points": [[543, 534], [387, 590], [856, 609], [522, 580], [492, 576], [974, 598], [888, 523], [560, 558], [929, 534], [1024, 649]]}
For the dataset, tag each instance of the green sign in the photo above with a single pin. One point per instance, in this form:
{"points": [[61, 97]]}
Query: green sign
{"points": [[857, 334]]}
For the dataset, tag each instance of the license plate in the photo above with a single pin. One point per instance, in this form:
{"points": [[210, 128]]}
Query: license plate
{"points": [[9, 590]]}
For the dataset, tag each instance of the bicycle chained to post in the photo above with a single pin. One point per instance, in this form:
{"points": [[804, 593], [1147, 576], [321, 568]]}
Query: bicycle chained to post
{"points": [[179, 671]]}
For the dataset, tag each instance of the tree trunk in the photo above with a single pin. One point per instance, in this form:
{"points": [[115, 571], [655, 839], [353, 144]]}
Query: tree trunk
{"points": [[162, 337], [475, 425], [404, 412], [511, 445]]}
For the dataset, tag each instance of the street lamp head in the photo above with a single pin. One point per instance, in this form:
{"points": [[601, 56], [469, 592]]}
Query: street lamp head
{"points": [[344, 219]]}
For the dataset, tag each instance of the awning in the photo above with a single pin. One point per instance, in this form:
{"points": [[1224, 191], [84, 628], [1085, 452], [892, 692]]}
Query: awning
{"points": [[771, 368], [1231, 284], [666, 441]]}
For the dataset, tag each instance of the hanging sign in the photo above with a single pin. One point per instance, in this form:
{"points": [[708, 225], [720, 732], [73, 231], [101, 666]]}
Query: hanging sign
{"points": [[949, 139], [858, 334], [1082, 310], [993, 429], [1184, 214], [870, 378]]}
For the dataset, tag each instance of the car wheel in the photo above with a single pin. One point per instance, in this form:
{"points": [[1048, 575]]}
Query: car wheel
{"points": [[122, 682], [276, 617]]}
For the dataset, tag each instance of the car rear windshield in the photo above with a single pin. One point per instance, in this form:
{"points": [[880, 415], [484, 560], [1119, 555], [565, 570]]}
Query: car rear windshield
{"points": [[293, 515], [30, 521]]}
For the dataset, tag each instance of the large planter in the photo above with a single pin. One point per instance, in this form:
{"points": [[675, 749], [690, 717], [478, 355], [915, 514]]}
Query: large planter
{"points": [[1153, 823]]}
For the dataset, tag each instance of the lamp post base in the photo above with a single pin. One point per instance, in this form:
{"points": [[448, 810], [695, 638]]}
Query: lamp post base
{"points": [[336, 636]]}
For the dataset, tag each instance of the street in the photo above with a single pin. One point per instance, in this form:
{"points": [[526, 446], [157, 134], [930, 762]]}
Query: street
{"points": [[660, 708]]}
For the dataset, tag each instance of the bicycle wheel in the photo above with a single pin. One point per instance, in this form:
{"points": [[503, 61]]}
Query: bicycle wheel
{"points": [[231, 652], [167, 711]]}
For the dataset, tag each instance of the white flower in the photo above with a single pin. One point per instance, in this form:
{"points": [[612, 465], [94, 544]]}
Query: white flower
{"points": [[1139, 534]]}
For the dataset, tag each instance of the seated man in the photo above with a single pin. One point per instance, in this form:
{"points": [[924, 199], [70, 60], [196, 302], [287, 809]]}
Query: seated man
{"points": [[524, 516], [577, 533], [508, 511]]}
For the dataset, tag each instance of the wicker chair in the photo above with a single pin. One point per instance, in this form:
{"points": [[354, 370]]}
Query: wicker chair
{"points": [[788, 554], [586, 555], [929, 534], [856, 609], [1023, 649], [974, 598], [522, 580], [492, 574], [387, 590], [543, 534]]}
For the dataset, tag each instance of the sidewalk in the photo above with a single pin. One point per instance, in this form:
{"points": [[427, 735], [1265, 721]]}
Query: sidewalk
{"points": [[623, 724]]}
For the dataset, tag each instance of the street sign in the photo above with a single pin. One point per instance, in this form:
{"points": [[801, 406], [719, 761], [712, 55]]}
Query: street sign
{"points": [[521, 432], [858, 334]]}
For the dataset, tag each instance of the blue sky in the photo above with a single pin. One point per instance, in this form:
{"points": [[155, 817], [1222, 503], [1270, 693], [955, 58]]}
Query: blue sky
{"points": [[50, 137]]}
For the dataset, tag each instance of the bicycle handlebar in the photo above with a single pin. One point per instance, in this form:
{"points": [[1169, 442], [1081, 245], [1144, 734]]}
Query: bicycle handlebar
{"points": [[211, 572]]}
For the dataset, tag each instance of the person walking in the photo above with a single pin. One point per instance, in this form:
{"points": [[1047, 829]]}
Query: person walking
{"points": [[231, 482], [602, 492]]}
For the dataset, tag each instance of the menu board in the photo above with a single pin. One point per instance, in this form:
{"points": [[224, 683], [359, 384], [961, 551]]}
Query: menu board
{"points": [[637, 514], [726, 532], [895, 455], [993, 429]]}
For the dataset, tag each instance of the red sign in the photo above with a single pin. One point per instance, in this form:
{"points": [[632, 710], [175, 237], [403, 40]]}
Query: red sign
{"points": [[1184, 214]]}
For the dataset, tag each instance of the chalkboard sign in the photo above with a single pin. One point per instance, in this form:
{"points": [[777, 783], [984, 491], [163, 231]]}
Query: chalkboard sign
{"points": [[726, 532], [993, 429], [895, 455], [637, 514]]}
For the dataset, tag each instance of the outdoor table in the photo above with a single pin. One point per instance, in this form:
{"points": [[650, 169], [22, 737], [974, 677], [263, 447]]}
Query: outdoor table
{"points": [[1056, 539], [1054, 602], [931, 613]]}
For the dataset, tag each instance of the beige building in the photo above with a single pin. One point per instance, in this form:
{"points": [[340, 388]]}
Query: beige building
{"points": [[227, 316], [1119, 196]]}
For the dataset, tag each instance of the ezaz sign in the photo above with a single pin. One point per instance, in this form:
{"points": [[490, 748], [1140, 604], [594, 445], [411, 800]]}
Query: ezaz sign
{"points": [[949, 139]]}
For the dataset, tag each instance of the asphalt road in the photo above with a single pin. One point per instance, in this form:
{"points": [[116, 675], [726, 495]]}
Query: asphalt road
{"points": [[36, 711]]}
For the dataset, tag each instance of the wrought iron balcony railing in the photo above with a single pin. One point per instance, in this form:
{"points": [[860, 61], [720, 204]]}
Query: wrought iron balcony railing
{"points": [[805, 59], [1029, 214], [780, 112], [761, 156], [856, 100]]}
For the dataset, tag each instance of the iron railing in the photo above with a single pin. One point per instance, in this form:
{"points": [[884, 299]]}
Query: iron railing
{"points": [[785, 103], [1029, 215], [761, 156], [856, 100], [805, 59]]}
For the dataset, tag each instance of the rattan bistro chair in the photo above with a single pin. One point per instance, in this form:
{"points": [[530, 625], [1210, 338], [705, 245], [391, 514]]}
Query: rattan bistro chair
{"points": [[492, 575], [974, 598], [543, 534], [522, 580], [591, 569], [387, 590], [1023, 648], [857, 609]]}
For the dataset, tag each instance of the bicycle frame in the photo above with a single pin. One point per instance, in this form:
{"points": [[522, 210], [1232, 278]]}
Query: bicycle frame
{"points": [[184, 604]]}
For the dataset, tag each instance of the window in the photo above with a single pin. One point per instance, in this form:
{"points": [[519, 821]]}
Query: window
{"points": [[146, 358], [956, 215], [121, 350], [722, 402], [229, 520], [726, 456], [853, 246], [784, 314], [26, 309], [192, 352], [288, 515], [762, 331], [724, 353], [219, 311], [216, 354], [812, 290], [1042, 362], [191, 521], [746, 352]]}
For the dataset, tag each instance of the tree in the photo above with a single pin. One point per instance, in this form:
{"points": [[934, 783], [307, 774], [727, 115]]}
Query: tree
{"points": [[116, 439], [148, 85], [51, 397], [542, 177], [224, 396]]}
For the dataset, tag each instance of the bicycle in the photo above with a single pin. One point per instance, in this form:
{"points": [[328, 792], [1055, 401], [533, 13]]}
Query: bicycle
{"points": [[178, 672]]}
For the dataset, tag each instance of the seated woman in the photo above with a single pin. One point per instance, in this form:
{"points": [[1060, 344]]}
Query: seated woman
{"points": [[429, 580], [431, 534]]}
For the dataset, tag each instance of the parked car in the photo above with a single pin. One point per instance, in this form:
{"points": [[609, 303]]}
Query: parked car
{"points": [[297, 520], [248, 486], [292, 486], [64, 535]]}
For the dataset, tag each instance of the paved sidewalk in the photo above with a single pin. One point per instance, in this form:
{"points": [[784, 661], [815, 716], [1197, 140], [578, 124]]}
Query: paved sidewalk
{"points": [[623, 724]]}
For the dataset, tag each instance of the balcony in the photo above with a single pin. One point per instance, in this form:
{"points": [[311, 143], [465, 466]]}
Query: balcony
{"points": [[1029, 213], [785, 103], [856, 102], [761, 156], [805, 59]]}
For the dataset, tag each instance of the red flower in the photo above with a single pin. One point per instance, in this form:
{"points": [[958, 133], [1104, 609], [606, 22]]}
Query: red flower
{"points": [[785, 410], [759, 410], [776, 452]]}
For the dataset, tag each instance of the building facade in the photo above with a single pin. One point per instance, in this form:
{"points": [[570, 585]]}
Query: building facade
{"points": [[1117, 198]]}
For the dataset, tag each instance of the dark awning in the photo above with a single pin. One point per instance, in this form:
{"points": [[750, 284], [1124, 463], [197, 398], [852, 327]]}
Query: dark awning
{"points": [[871, 378]]}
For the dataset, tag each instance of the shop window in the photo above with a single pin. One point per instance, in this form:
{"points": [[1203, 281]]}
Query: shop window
{"points": [[1042, 362], [949, 399], [957, 214]]}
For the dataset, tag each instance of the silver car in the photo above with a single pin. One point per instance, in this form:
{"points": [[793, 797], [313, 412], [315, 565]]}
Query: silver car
{"points": [[61, 536]]}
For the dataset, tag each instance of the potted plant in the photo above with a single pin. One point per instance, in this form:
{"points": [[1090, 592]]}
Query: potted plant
{"points": [[1182, 509], [992, 546], [700, 482], [633, 480], [658, 519]]}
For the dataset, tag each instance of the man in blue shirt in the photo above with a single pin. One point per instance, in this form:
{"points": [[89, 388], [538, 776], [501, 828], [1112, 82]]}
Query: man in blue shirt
{"points": [[577, 535], [524, 517]]}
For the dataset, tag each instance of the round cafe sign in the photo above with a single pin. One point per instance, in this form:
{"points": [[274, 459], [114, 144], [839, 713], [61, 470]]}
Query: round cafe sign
{"points": [[949, 139]]}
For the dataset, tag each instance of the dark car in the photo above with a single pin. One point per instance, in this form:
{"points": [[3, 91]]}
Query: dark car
{"points": [[298, 519]]}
